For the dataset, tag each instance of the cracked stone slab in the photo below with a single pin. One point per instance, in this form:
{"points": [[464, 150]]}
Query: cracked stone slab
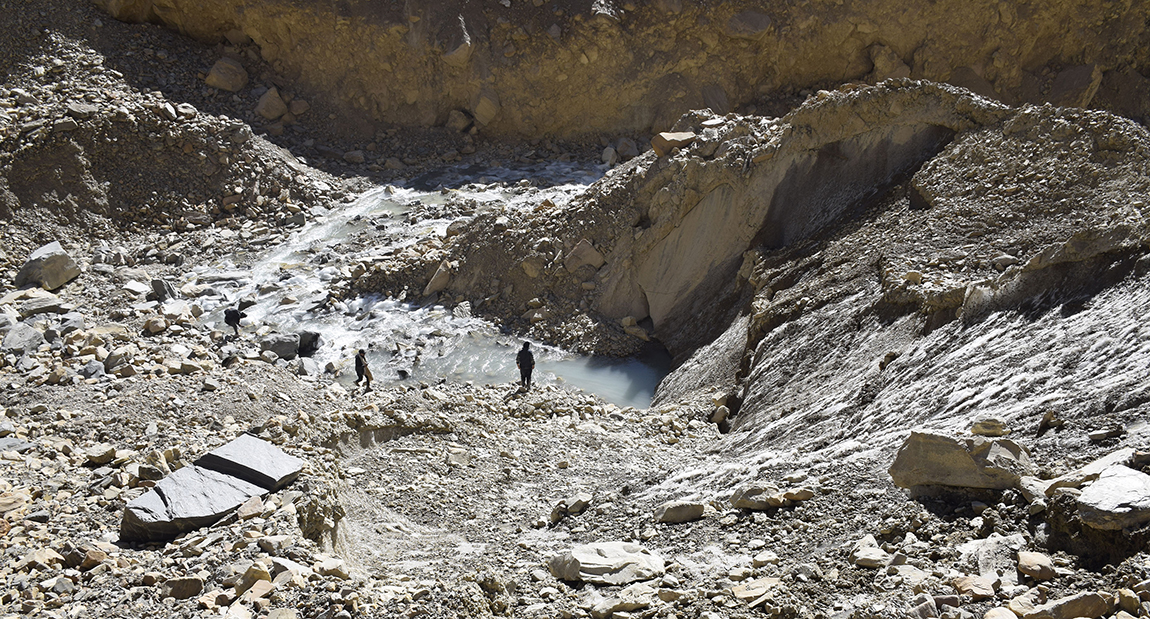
{"points": [[255, 461], [190, 498]]}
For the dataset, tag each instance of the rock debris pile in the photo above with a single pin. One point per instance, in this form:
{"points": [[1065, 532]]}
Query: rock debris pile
{"points": [[908, 325]]}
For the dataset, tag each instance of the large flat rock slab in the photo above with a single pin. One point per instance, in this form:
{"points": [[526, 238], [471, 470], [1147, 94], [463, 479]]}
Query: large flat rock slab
{"points": [[607, 563], [1120, 498], [190, 498], [254, 461], [927, 459]]}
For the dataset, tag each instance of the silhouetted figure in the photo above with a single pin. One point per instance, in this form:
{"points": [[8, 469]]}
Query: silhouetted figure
{"points": [[362, 372], [232, 317], [525, 361]]}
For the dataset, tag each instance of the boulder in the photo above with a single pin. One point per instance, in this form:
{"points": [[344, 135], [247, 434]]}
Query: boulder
{"points": [[607, 563], [1086, 604], [578, 502], [756, 495], [227, 74], [271, 106], [101, 453], [49, 267], [162, 290], [71, 321], [182, 588], [189, 498], [866, 553], [975, 587], [1036, 565], [1025, 604], [255, 573], [679, 511], [798, 494], [584, 254], [1129, 601], [309, 343], [284, 345], [533, 266], [485, 106], [22, 339], [1120, 498], [609, 156], [626, 148], [92, 369], [440, 280], [664, 142], [637, 596], [306, 366], [298, 107], [281, 564], [927, 459], [255, 461], [332, 566], [766, 557], [137, 288]]}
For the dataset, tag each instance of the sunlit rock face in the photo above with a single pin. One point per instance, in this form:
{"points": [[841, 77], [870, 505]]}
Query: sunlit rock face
{"points": [[570, 68], [878, 258]]}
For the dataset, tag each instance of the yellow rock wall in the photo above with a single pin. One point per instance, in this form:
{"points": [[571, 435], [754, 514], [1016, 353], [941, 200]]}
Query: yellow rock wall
{"points": [[568, 67]]}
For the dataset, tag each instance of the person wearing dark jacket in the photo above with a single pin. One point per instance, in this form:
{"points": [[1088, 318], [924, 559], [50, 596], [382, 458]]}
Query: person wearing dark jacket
{"points": [[361, 370], [525, 361], [232, 316]]}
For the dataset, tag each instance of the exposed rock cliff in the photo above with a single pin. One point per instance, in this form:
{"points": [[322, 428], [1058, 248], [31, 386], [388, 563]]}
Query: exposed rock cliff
{"points": [[570, 67], [871, 216]]}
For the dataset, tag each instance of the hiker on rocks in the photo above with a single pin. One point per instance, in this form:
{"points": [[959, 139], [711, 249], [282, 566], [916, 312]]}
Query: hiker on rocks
{"points": [[232, 316], [361, 370], [525, 361]]}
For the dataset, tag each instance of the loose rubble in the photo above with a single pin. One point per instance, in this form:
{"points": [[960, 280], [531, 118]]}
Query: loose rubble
{"points": [[739, 496]]}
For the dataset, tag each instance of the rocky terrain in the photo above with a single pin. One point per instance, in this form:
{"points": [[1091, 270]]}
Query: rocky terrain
{"points": [[907, 320]]}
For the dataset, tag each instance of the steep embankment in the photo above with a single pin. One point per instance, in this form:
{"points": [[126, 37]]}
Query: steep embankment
{"points": [[567, 68], [825, 265]]}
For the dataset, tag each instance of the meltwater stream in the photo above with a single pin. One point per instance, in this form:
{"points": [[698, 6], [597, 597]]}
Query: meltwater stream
{"points": [[422, 343]]}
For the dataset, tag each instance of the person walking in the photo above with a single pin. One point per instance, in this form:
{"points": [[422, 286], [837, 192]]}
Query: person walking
{"points": [[525, 361], [362, 371]]}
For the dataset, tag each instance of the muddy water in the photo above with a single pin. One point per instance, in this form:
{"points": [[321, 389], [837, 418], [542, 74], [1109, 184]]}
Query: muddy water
{"points": [[408, 342]]}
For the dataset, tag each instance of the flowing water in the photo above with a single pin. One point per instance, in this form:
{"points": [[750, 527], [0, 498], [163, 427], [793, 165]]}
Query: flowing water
{"points": [[403, 340]]}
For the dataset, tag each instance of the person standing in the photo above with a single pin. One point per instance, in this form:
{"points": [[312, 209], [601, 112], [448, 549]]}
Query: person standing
{"points": [[525, 361], [362, 371]]}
